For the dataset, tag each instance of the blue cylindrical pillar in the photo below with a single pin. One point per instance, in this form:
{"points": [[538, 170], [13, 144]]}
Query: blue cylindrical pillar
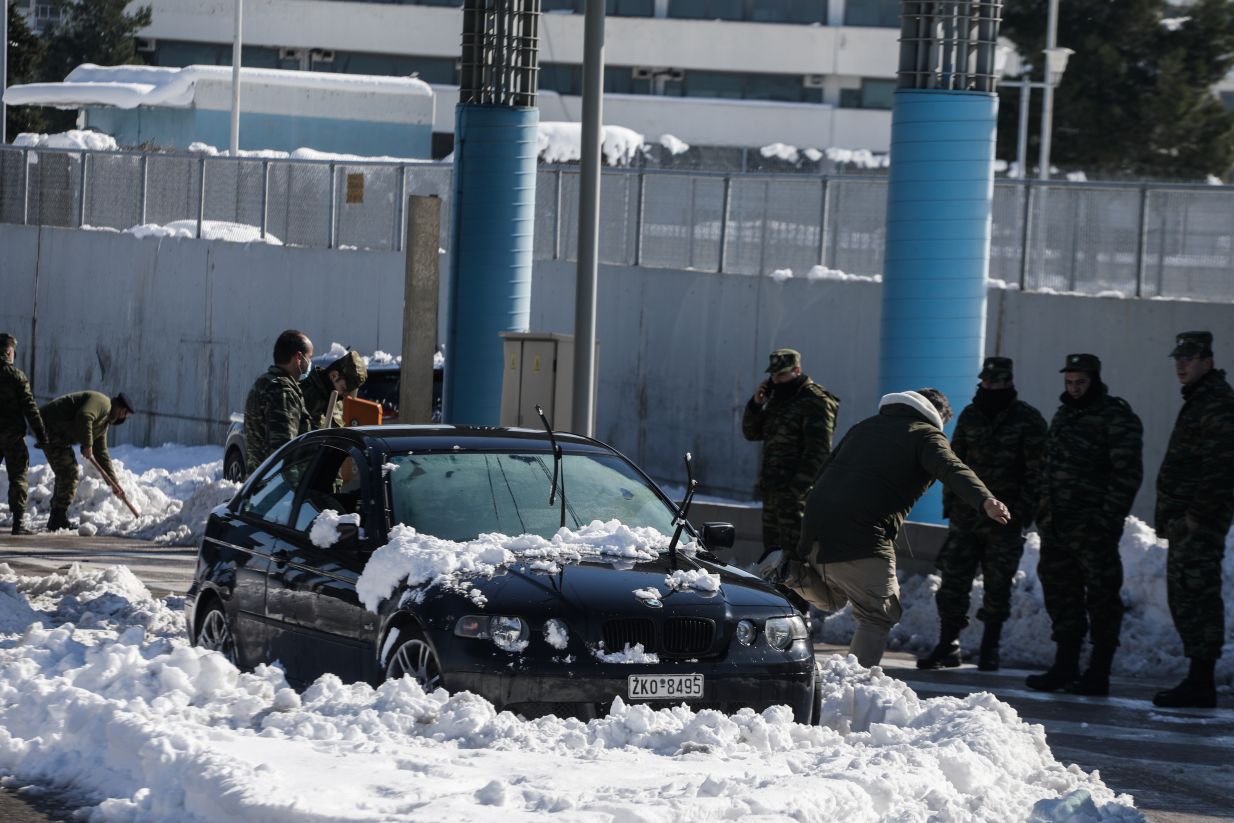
{"points": [[939, 199], [490, 253]]}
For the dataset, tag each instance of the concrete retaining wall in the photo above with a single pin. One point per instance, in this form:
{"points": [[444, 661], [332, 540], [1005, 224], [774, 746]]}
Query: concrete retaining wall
{"points": [[184, 326]]}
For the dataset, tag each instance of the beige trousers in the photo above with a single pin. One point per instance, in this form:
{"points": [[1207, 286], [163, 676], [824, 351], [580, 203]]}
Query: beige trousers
{"points": [[869, 584]]}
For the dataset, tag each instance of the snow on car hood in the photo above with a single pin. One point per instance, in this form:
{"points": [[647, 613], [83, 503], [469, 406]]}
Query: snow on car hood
{"points": [[417, 558]]}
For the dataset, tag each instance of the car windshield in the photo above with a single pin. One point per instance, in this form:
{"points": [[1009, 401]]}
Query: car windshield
{"points": [[460, 495]]}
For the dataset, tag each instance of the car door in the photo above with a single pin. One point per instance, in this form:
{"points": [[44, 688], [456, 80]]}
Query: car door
{"points": [[318, 582]]}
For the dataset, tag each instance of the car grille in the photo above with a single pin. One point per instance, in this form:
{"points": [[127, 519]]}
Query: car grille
{"points": [[627, 632], [679, 635], [688, 635]]}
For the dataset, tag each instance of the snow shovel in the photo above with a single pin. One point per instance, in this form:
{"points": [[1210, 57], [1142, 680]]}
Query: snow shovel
{"points": [[115, 486], [329, 423]]}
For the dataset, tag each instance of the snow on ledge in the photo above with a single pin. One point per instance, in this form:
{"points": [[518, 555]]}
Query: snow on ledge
{"points": [[562, 143]]}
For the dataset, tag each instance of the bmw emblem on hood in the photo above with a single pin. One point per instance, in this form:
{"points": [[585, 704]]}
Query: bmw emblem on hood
{"points": [[652, 603]]}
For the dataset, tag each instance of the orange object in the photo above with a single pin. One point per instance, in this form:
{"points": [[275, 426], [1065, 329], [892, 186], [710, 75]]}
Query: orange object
{"points": [[358, 412]]}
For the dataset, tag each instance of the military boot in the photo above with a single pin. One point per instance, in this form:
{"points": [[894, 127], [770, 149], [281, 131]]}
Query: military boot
{"points": [[987, 658], [1095, 682], [946, 655], [19, 522], [1066, 668], [59, 520], [1197, 691]]}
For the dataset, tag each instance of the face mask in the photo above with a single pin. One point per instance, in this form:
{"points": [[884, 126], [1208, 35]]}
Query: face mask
{"points": [[308, 366]]}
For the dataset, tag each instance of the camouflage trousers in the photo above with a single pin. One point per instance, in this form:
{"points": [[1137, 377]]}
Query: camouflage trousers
{"points": [[782, 511], [995, 551], [1193, 584], [64, 465], [1081, 578], [16, 459]]}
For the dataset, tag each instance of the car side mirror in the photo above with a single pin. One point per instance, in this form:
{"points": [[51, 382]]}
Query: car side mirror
{"points": [[719, 535], [348, 536]]}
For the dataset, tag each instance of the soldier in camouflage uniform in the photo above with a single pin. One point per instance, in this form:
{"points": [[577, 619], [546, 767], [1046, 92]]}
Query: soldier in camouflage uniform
{"points": [[17, 408], [795, 418], [79, 419], [1195, 504], [1089, 478], [1002, 439], [274, 410], [344, 376]]}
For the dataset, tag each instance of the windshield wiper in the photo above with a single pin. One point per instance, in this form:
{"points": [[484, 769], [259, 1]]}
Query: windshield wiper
{"points": [[683, 510], [559, 469]]}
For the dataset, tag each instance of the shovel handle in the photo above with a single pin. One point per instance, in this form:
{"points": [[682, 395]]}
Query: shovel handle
{"points": [[114, 484]]}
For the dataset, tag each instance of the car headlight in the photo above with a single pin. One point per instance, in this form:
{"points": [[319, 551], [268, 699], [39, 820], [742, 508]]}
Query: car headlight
{"points": [[509, 633], [782, 632], [746, 632]]}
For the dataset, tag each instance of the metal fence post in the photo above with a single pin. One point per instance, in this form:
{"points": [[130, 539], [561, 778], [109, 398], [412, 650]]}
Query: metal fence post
{"points": [[330, 233], [693, 217], [400, 208], [638, 218], [25, 193], [265, 196], [201, 193], [726, 205], [1026, 233], [557, 221], [81, 189], [822, 225], [141, 194], [762, 238], [1141, 246]]}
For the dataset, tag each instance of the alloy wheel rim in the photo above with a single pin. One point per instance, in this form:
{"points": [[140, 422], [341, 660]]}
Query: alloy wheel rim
{"points": [[215, 635], [416, 658]]}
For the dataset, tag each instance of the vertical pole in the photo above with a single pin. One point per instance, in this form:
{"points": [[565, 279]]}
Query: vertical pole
{"points": [[415, 394], [557, 221], [81, 190], [236, 49], [1141, 246], [1047, 102], [330, 232], [1021, 138], [4, 77], [693, 218], [1026, 233], [638, 219], [589, 221], [25, 192], [822, 225], [762, 238], [144, 182], [201, 193], [726, 204], [265, 197], [400, 221]]}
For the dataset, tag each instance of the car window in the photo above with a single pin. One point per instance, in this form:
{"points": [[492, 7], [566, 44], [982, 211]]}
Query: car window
{"points": [[381, 387], [460, 495], [272, 496], [337, 482]]}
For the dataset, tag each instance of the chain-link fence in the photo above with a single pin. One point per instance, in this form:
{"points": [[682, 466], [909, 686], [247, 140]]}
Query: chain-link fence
{"points": [[1136, 239]]}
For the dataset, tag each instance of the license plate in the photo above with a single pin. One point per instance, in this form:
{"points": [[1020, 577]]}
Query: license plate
{"points": [[665, 686]]}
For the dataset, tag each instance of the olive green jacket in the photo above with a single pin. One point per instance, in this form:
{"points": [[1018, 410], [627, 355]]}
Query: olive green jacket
{"points": [[317, 388], [1196, 479], [796, 426], [17, 406], [81, 419], [273, 415], [876, 474]]}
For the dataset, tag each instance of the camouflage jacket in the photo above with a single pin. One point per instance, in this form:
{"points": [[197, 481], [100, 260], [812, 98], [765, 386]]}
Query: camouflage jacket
{"points": [[1005, 451], [17, 406], [1197, 474], [1093, 464], [796, 426], [317, 390], [273, 414], [81, 418]]}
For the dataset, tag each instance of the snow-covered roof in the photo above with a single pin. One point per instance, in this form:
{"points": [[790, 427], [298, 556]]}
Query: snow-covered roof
{"points": [[127, 87]]}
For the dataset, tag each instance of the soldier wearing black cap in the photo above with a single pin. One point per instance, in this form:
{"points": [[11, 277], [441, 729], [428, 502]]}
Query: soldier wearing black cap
{"points": [[82, 419], [17, 408], [1195, 505], [1089, 478], [1001, 438], [795, 418]]}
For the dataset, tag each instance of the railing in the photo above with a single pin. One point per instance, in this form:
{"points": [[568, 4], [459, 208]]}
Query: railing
{"points": [[1149, 240]]}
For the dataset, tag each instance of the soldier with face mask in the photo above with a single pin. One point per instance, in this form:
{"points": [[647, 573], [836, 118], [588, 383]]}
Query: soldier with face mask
{"points": [[274, 410], [80, 419], [17, 408]]}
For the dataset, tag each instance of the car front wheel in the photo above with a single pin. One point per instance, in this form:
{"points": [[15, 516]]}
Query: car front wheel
{"points": [[233, 466], [414, 656], [215, 634]]}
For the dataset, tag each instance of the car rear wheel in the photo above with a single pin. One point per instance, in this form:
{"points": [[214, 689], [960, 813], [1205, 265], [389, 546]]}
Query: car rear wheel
{"points": [[233, 466], [414, 656], [215, 634]]}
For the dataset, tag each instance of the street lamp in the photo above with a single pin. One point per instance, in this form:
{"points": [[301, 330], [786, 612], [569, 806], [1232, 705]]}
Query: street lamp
{"points": [[1055, 65]]}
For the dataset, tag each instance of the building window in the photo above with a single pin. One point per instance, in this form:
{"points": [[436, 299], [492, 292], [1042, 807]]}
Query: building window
{"points": [[873, 94], [879, 13], [758, 11]]}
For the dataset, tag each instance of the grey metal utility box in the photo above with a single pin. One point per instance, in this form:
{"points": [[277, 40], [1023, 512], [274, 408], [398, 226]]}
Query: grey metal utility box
{"points": [[539, 370]]}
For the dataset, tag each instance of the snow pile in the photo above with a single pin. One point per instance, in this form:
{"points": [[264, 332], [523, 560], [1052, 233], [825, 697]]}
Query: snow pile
{"points": [[629, 654], [302, 153], [210, 230], [123, 716], [780, 275], [423, 559], [1148, 643], [325, 531], [780, 151], [562, 143], [862, 158], [71, 139], [174, 488], [824, 273], [674, 145], [382, 358], [699, 579]]}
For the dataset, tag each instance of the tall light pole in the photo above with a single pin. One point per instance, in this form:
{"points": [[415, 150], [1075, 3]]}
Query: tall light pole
{"points": [[235, 81], [4, 77], [1055, 64]]}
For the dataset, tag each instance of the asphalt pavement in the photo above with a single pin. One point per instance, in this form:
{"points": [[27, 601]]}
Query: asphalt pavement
{"points": [[1177, 763]]}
